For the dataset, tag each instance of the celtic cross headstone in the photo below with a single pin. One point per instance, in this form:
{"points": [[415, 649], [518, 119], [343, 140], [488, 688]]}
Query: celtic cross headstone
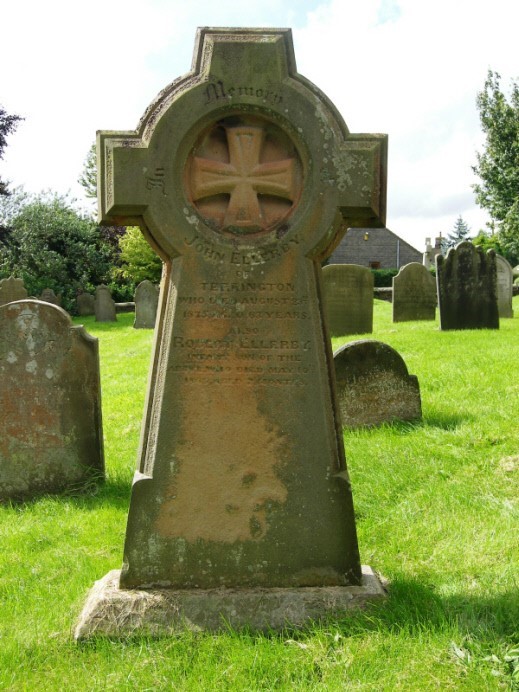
{"points": [[242, 175]]}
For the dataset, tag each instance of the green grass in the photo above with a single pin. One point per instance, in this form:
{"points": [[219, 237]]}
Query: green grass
{"points": [[436, 505]]}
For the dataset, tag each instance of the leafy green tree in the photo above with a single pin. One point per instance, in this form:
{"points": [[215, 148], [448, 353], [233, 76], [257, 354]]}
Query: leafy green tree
{"points": [[49, 244], [88, 178], [8, 124], [488, 241], [138, 261], [459, 232], [498, 164]]}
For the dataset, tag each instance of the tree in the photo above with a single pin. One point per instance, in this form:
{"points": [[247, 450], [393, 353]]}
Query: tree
{"points": [[49, 244], [138, 260], [88, 178], [458, 233], [8, 124], [498, 164]]}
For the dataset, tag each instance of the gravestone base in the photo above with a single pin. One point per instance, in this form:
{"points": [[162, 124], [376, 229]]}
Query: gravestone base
{"points": [[114, 612]]}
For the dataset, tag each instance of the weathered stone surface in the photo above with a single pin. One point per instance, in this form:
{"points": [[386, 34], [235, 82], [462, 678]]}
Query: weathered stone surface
{"points": [[48, 296], [243, 176], [348, 299], [104, 305], [85, 304], [146, 304], [111, 611], [414, 294], [505, 281], [12, 289], [467, 288], [374, 385], [50, 399]]}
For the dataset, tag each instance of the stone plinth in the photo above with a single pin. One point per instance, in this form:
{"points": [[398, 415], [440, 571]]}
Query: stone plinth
{"points": [[115, 612]]}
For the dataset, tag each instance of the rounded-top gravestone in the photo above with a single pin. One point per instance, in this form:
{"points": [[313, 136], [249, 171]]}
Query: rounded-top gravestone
{"points": [[104, 305], [146, 303], [50, 396]]}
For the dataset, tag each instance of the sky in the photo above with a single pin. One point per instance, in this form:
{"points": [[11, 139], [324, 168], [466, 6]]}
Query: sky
{"points": [[408, 68]]}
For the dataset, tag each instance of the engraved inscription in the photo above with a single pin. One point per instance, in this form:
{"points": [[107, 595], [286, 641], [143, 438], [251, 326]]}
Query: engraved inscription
{"points": [[242, 353], [244, 177], [217, 91], [156, 181]]}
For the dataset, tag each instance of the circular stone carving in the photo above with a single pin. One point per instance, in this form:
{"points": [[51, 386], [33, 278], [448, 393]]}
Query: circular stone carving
{"points": [[244, 175]]}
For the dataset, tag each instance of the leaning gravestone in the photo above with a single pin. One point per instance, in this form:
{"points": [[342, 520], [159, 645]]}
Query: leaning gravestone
{"points": [[85, 303], [104, 305], [146, 303], [243, 174], [467, 288], [12, 289], [50, 428], [374, 385], [505, 282], [348, 299], [414, 294]]}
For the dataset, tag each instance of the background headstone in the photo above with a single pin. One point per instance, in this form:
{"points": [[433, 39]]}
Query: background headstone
{"points": [[104, 305], [49, 296], [467, 288], [85, 304], [505, 282], [12, 289], [348, 299], [414, 294], [374, 385], [50, 398], [146, 303]]}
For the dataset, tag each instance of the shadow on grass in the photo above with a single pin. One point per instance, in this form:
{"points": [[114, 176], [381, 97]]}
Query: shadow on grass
{"points": [[441, 421], [113, 491], [414, 607]]}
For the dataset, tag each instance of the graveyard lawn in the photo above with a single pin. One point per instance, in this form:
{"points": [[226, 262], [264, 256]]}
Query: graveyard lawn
{"points": [[437, 515]]}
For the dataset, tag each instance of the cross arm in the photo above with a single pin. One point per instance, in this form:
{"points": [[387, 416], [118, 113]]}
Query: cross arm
{"points": [[123, 178], [361, 169]]}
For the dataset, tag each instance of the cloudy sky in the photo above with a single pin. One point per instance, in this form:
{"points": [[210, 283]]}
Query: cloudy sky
{"points": [[408, 68]]}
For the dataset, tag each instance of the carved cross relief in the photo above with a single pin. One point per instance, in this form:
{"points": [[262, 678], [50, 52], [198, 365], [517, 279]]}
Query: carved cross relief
{"points": [[246, 177]]}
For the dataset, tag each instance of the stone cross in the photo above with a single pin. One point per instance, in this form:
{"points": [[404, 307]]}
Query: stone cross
{"points": [[242, 175]]}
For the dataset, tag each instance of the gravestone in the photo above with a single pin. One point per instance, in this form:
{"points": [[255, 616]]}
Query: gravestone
{"points": [[348, 299], [146, 303], [505, 282], [414, 294], [85, 304], [467, 288], [242, 174], [50, 397], [12, 289], [48, 296], [374, 385], [104, 305]]}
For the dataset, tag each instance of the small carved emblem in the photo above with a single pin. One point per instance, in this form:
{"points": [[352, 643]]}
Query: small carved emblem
{"points": [[244, 177]]}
